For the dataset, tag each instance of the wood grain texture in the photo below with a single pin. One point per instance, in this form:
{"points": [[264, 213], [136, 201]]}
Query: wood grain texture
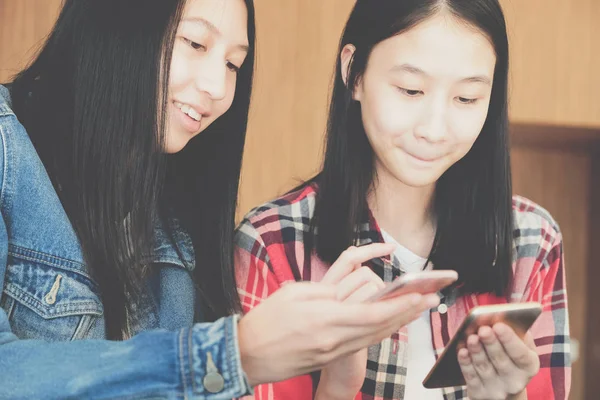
{"points": [[592, 365], [554, 137], [554, 61], [23, 26], [553, 81], [297, 46], [560, 181], [592, 383]]}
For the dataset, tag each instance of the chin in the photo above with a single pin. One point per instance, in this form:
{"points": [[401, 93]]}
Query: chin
{"points": [[418, 184], [175, 146], [416, 179]]}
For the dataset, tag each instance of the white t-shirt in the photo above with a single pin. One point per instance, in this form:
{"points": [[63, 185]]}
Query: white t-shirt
{"points": [[421, 356]]}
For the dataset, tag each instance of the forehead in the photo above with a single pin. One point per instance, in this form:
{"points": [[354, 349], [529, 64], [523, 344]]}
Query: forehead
{"points": [[441, 46], [229, 17]]}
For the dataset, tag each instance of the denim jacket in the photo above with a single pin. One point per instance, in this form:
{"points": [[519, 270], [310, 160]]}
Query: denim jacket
{"points": [[52, 333]]}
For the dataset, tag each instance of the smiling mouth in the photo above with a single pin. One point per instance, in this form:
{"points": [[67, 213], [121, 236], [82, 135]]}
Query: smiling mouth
{"points": [[189, 111], [425, 160]]}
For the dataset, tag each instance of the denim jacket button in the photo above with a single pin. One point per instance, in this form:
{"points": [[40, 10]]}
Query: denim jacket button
{"points": [[213, 382]]}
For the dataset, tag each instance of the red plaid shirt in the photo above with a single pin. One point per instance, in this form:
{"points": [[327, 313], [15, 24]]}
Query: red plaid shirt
{"points": [[270, 251]]}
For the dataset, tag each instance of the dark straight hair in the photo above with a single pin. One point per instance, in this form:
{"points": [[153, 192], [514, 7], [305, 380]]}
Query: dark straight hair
{"points": [[473, 201], [94, 103]]}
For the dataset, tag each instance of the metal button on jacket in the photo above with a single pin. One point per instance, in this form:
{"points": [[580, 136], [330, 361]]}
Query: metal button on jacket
{"points": [[213, 381]]}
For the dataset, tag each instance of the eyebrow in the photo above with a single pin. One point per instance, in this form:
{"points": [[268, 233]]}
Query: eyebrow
{"points": [[211, 27], [411, 69]]}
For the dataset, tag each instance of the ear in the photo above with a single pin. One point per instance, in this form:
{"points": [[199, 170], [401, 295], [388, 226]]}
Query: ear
{"points": [[346, 58]]}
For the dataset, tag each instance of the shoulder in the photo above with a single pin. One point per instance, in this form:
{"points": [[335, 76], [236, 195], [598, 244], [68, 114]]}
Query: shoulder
{"points": [[282, 220], [537, 244], [7, 116], [12, 132], [8, 123], [5, 101], [18, 156], [534, 225]]}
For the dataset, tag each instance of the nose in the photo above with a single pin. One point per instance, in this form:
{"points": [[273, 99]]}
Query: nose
{"points": [[432, 126], [211, 77]]}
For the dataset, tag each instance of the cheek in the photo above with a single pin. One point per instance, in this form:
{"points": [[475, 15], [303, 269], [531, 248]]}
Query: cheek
{"points": [[467, 129], [385, 119], [180, 72]]}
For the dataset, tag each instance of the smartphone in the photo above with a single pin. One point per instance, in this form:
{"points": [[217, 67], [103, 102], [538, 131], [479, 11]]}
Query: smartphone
{"points": [[519, 316], [423, 282]]}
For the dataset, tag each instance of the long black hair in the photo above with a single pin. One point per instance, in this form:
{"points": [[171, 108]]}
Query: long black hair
{"points": [[94, 104], [473, 202]]}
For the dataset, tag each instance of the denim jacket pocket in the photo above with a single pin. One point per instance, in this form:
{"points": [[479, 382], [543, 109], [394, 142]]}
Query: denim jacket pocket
{"points": [[48, 303]]}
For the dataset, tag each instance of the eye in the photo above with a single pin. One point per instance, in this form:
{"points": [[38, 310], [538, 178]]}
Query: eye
{"points": [[194, 45], [232, 67], [464, 100], [410, 92]]}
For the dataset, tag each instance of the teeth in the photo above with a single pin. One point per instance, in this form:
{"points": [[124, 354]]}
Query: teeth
{"points": [[188, 110], [194, 114]]}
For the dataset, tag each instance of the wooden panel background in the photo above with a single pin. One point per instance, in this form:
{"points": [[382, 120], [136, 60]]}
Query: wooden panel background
{"points": [[23, 25], [297, 42], [553, 78], [560, 181], [555, 60], [592, 365]]}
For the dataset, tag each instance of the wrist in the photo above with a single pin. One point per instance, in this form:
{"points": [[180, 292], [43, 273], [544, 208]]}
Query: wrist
{"points": [[330, 389], [246, 357], [331, 392]]}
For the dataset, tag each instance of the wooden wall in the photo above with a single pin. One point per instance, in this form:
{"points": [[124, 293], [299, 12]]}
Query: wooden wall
{"points": [[297, 42], [559, 179], [555, 61], [554, 81], [23, 25]]}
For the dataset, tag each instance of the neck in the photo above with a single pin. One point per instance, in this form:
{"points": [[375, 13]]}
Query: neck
{"points": [[404, 212]]}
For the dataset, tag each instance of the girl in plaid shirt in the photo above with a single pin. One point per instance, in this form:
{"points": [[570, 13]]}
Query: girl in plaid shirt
{"points": [[417, 155]]}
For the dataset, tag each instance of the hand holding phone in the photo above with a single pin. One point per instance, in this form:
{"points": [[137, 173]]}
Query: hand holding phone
{"points": [[519, 316]]}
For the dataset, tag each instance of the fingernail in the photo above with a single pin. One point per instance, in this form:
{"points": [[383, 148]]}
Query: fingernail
{"points": [[473, 340], [484, 331]]}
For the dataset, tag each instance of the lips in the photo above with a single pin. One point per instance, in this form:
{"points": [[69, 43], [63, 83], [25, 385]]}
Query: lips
{"points": [[187, 118], [423, 158], [194, 111]]}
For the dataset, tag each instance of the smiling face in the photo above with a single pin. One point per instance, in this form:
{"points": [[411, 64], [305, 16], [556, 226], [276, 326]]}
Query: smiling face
{"points": [[210, 47], [424, 98]]}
